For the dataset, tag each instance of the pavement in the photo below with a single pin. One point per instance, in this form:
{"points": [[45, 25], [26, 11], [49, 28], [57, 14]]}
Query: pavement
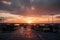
{"points": [[20, 34], [49, 35], [28, 34]]}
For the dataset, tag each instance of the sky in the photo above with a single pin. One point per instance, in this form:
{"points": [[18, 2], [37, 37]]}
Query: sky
{"points": [[12, 10]]}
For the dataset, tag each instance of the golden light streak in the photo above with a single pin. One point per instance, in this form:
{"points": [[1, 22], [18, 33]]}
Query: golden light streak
{"points": [[27, 19]]}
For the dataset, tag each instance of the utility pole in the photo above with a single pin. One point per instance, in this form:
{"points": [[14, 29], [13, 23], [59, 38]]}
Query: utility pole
{"points": [[48, 19], [52, 17]]}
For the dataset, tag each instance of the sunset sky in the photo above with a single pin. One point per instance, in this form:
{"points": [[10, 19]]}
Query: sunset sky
{"points": [[34, 11]]}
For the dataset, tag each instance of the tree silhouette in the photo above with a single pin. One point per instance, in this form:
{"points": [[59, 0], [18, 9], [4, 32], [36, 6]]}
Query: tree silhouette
{"points": [[1, 19]]}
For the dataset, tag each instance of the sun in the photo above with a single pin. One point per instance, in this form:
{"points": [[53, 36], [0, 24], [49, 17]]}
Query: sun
{"points": [[29, 20]]}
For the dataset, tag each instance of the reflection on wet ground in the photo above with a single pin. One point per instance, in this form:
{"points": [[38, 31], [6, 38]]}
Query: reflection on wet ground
{"points": [[26, 33]]}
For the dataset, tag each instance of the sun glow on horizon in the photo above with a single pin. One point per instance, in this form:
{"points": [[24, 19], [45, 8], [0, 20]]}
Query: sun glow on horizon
{"points": [[29, 20], [12, 18]]}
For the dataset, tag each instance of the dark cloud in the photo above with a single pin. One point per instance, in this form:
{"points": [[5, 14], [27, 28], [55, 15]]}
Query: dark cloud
{"points": [[4, 6], [41, 6]]}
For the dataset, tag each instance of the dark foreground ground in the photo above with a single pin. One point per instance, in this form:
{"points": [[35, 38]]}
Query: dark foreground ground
{"points": [[29, 34]]}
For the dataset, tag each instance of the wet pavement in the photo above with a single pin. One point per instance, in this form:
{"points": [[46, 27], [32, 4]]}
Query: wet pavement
{"points": [[20, 34], [28, 34]]}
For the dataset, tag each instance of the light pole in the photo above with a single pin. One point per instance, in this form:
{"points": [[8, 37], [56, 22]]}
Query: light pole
{"points": [[48, 19], [52, 17]]}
